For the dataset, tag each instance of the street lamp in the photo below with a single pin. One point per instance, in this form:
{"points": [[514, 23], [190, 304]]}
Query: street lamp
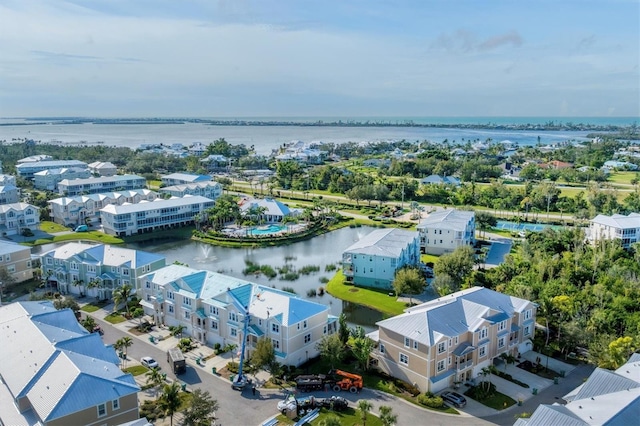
{"points": [[1, 290]]}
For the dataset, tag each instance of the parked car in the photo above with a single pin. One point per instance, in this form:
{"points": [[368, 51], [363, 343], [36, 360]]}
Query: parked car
{"points": [[82, 228], [149, 362], [454, 398], [98, 329]]}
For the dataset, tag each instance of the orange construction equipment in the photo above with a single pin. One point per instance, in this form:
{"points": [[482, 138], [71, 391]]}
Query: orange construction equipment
{"points": [[351, 382]]}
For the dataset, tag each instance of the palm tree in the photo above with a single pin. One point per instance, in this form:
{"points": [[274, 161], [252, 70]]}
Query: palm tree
{"points": [[486, 371], [122, 294], [95, 283], [89, 323], [126, 342], [170, 401], [330, 420], [364, 406], [77, 283], [155, 378], [386, 416]]}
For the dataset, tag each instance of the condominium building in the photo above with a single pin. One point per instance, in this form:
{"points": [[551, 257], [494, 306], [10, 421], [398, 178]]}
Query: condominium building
{"points": [[47, 180], [103, 168], [7, 180], [152, 216], [209, 189], [15, 217], [446, 230], [96, 269], [449, 340], [56, 373], [183, 178], [9, 194], [626, 229], [16, 259], [374, 260], [96, 185], [213, 308], [72, 211], [28, 170]]}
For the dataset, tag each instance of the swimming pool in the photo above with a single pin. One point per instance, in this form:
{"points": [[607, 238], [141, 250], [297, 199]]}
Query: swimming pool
{"points": [[505, 225], [266, 229]]}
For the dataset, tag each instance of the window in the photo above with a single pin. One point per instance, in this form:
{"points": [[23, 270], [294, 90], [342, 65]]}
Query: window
{"points": [[213, 310], [527, 330], [74, 266], [275, 328], [102, 410], [233, 332], [49, 261], [483, 351], [186, 301], [501, 342], [276, 343], [483, 333], [214, 325], [233, 316], [502, 325], [527, 314], [442, 346], [407, 342], [170, 295], [125, 271], [170, 309], [91, 268], [187, 315], [304, 324], [307, 338], [415, 344], [404, 359], [11, 269], [381, 348], [442, 364], [324, 330], [115, 404]]}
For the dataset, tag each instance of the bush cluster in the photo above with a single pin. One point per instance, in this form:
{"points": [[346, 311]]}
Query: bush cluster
{"points": [[430, 400]]}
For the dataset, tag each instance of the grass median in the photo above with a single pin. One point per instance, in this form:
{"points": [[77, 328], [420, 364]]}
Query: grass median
{"points": [[375, 299]]}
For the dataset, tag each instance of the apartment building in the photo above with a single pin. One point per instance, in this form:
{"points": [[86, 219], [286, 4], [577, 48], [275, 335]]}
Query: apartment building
{"points": [[15, 217], [212, 308], [100, 168], [7, 179], [96, 185], [56, 373], [152, 216], [96, 269], [208, 189], [374, 260], [446, 230], [183, 178], [72, 211], [9, 194], [16, 259], [449, 340], [626, 229], [47, 180], [29, 169]]}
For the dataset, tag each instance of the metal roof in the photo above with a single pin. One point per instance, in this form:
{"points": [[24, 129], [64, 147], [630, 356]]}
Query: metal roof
{"points": [[158, 203], [384, 242], [448, 219]]}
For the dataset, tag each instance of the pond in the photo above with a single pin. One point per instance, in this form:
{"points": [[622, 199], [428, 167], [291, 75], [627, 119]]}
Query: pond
{"points": [[319, 251]]}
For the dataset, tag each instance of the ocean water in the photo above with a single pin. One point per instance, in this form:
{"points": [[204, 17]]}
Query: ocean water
{"points": [[267, 138]]}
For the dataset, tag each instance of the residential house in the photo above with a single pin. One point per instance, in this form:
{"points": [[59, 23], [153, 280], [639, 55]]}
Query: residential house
{"points": [[208, 189], [47, 180], [15, 217], [103, 168], [267, 210], [374, 260], [95, 185], [216, 162], [7, 180], [96, 270], [56, 373], [72, 211], [451, 339], [16, 259], [605, 398], [619, 165], [445, 230], [213, 308], [152, 216], [556, 164], [28, 170], [9, 194], [196, 149], [35, 158], [626, 229], [183, 178], [440, 180]]}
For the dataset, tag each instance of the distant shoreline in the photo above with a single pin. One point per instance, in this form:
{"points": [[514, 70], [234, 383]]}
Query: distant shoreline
{"points": [[551, 125]]}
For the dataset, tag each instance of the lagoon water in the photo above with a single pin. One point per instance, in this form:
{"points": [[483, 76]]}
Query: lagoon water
{"points": [[267, 138]]}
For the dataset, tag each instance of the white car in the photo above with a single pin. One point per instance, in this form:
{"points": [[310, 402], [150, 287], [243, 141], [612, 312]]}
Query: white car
{"points": [[149, 362]]}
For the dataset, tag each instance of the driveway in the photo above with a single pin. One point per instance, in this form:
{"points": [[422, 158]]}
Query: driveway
{"points": [[500, 248]]}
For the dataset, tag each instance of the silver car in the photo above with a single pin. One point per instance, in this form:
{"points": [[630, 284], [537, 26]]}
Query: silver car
{"points": [[149, 362], [454, 398]]}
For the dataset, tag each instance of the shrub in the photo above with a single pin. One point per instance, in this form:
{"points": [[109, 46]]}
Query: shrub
{"points": [[289, 290], [290, 276], [408, 387], [481, 391], [312, 292], [321, 291], [432, 401], [233, 367]]}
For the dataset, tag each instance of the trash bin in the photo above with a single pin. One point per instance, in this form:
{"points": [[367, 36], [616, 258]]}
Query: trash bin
{"points": [[534, 391], [214, 370], [555, 380], [562, 373], [151, 339], [184, 386]]}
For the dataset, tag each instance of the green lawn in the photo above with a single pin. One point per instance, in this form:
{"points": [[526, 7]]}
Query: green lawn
{"points": [[136, 370], [51, 227], [426, 258], [114, 318], [349, 417], [92, 236], [89, 308], [380, 301], [622, 177]]}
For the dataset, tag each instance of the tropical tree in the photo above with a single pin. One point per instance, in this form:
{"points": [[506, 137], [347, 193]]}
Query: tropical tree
{"points": [[201, 411], [458, 265], [364, 407], [122, 295], [155, 378], [508, 359], [409, 280], [264, 356], [89, 323], [386, 416], [176, 330], [169, 400], [343, 328], [126, 342], [361, 348], [330, 420], [332, 349]]}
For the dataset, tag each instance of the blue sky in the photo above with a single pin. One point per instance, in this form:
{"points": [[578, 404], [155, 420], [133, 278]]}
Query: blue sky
{"points": [[234, 58]]}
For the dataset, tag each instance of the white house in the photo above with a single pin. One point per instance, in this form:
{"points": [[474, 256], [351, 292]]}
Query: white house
{"points": [[7, 180], [209, 189], [47, 180], [183, 178], [374, 260], [17, 216], [616, 227], [450, 339], [445, 230], [103, 168], [96, 185], [152, 216], [213, 307], [9, 194], [27, 170], [96, 269], [71, 211]]}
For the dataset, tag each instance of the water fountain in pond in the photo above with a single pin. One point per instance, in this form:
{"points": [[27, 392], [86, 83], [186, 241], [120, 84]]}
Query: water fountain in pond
{"points": [[205, 251]]}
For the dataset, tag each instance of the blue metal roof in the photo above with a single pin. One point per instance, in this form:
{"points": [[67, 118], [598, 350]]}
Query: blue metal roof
{"points": [[499, 317], [253, 329], [464, 349], [195, 281], [444, 375], [242, 295], [300, 309]]}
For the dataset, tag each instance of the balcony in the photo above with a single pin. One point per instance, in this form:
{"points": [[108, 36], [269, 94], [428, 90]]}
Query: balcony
{"points": [[464, 365]]}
